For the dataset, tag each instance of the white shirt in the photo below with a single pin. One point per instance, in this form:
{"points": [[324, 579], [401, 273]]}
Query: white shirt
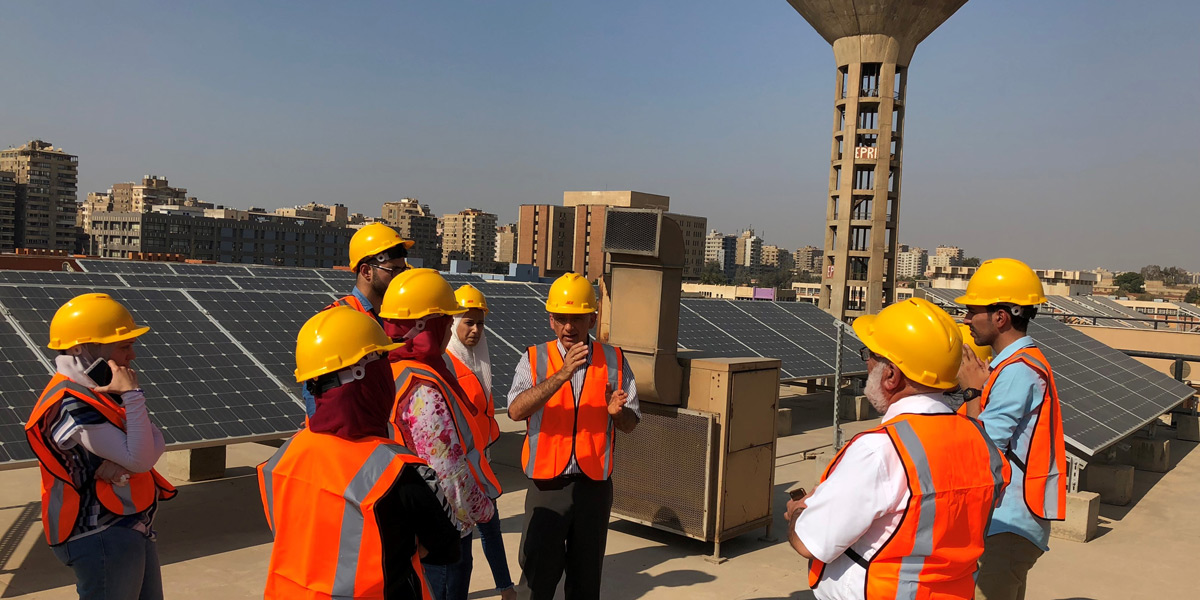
{"points": [[860, 505]]}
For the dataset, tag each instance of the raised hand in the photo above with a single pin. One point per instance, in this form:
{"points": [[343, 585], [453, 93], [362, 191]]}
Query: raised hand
{"points": [[124, 379]]}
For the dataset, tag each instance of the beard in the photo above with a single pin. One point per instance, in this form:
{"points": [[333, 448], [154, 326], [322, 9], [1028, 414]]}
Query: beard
{"points": [[874, 390]]}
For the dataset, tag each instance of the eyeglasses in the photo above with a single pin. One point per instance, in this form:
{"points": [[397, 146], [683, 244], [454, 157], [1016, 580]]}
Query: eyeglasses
{"points": [[866, 354], [392, 270]]}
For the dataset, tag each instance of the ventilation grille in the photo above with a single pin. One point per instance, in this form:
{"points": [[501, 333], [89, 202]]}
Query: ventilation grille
{"points": [[632, 231], [661, 471]]}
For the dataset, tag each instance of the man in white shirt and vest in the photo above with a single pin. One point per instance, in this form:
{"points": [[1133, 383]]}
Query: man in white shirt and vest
{"points": [[902, 510], [574, 394]]}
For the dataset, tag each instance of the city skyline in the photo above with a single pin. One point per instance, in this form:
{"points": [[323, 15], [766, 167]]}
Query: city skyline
{"points": [[724, 109]]}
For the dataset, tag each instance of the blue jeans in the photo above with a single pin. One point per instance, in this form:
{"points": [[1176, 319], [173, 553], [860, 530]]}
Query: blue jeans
{"points": [[451, 582], [115, 564], [493, 549]]}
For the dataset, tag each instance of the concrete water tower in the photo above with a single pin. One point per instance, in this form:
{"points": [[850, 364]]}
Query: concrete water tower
{"points": [[873, 43]]}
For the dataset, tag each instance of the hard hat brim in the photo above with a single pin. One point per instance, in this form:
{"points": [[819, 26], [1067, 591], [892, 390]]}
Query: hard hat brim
{"points": [[112, 339]]}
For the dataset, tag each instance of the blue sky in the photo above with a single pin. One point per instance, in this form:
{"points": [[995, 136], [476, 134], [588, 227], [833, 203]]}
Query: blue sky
{"points": [[1062, 133]]}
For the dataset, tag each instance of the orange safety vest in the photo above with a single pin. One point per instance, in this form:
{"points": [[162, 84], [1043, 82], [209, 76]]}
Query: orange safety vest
{"points": [[485, 410], [567, 427], [1045, 463], [352, 301], [955, 476], [60, 497], [319, 493], [408, 373]]}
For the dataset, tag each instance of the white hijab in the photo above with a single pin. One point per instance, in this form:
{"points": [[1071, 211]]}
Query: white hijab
{"points": [[476, 358]]}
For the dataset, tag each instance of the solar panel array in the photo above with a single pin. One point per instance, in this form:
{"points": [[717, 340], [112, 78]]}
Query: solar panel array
{"points": [[218, 363], [1109, 313], [1105, 394]]}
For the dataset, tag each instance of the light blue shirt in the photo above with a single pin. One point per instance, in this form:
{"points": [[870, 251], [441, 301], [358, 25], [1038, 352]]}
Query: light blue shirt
{"points": [[1008, 418], [310, 403]]}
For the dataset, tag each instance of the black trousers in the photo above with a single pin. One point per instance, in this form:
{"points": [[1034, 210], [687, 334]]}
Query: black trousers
{"points": [[566, 528]]}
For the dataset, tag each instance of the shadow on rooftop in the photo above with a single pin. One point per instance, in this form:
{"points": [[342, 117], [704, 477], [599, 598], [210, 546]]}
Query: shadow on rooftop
{"points": [[1144, 481], [206, 518]]}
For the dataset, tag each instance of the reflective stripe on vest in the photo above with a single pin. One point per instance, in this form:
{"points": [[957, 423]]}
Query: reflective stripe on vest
{"points": [[1045, 461], [60, 498], [954, 477], [302, 486], [351, 301], [566, 427], [405, 371]]}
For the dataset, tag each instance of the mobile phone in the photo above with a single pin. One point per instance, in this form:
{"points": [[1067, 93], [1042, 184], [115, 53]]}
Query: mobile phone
{"points": [[100, 372], [797, 493]]}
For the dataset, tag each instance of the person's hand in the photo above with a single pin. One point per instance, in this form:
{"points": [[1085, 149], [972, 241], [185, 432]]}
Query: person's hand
{"points": [[616, 401], [124, 379], [973, 373], [113, 473], [576, 357], [795, 506]]}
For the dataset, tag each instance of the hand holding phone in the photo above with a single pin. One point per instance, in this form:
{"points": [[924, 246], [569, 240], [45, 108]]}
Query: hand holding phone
{"points": [[121, 379]]}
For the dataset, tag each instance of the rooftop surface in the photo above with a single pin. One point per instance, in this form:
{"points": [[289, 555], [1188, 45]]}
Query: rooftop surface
{"points": [[214, 542]]}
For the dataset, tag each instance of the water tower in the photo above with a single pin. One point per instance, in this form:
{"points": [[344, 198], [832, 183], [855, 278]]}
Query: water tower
{"points": [[873, 43]]}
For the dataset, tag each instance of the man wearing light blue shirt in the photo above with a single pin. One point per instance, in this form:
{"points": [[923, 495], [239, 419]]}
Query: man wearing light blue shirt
{"points": [[1014, 398]]}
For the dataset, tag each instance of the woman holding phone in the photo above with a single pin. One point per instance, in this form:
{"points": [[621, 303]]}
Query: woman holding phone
{"points": [[97, 447]]}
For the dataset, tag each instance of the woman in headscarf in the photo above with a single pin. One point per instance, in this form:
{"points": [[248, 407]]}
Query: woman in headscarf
{"points": [[432, 415], [354, 514], [96, 446], [468, 353]]}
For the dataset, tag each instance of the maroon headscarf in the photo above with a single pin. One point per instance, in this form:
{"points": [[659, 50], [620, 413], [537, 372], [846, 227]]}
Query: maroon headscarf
{"points": [[357, 409], [425, 347]]}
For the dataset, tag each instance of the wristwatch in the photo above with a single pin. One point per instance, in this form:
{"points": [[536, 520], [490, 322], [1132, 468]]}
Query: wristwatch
{"points": [[970, 394]]}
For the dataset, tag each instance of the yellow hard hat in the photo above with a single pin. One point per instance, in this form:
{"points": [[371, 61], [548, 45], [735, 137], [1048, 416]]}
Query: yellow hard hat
{"points": [[469, 297], [1003, 280], [572, 294], [337, 338], [918, 337], [416, 293], [983, 352], [92, 319], [373, 239]]}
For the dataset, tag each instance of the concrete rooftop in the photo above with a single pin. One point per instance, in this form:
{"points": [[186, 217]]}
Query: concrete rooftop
{"points": [[214, 542]]}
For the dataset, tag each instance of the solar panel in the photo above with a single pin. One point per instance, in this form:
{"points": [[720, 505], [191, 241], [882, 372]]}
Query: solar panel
{"points": [[179, 282], [23, 375], [291, 272], [513, 324], [207, 269], [338, 276], [265, 324], [200, 386], [1105, 394], [282, 284], [462, 277], [502, 290], [59, 278], [125, 266]]}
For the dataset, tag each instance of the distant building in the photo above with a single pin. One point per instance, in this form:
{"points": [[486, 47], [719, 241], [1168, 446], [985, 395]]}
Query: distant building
{"points": [[414, 221], [8, 211], [470, 235], [721, 249], [777, 258], [261, 238], [1055, 282], [911, 261], [44, 203], [946, 256], [336, 215], [545, 238], [587, 214], [749, 250], [809, 259], [506, 243]]}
